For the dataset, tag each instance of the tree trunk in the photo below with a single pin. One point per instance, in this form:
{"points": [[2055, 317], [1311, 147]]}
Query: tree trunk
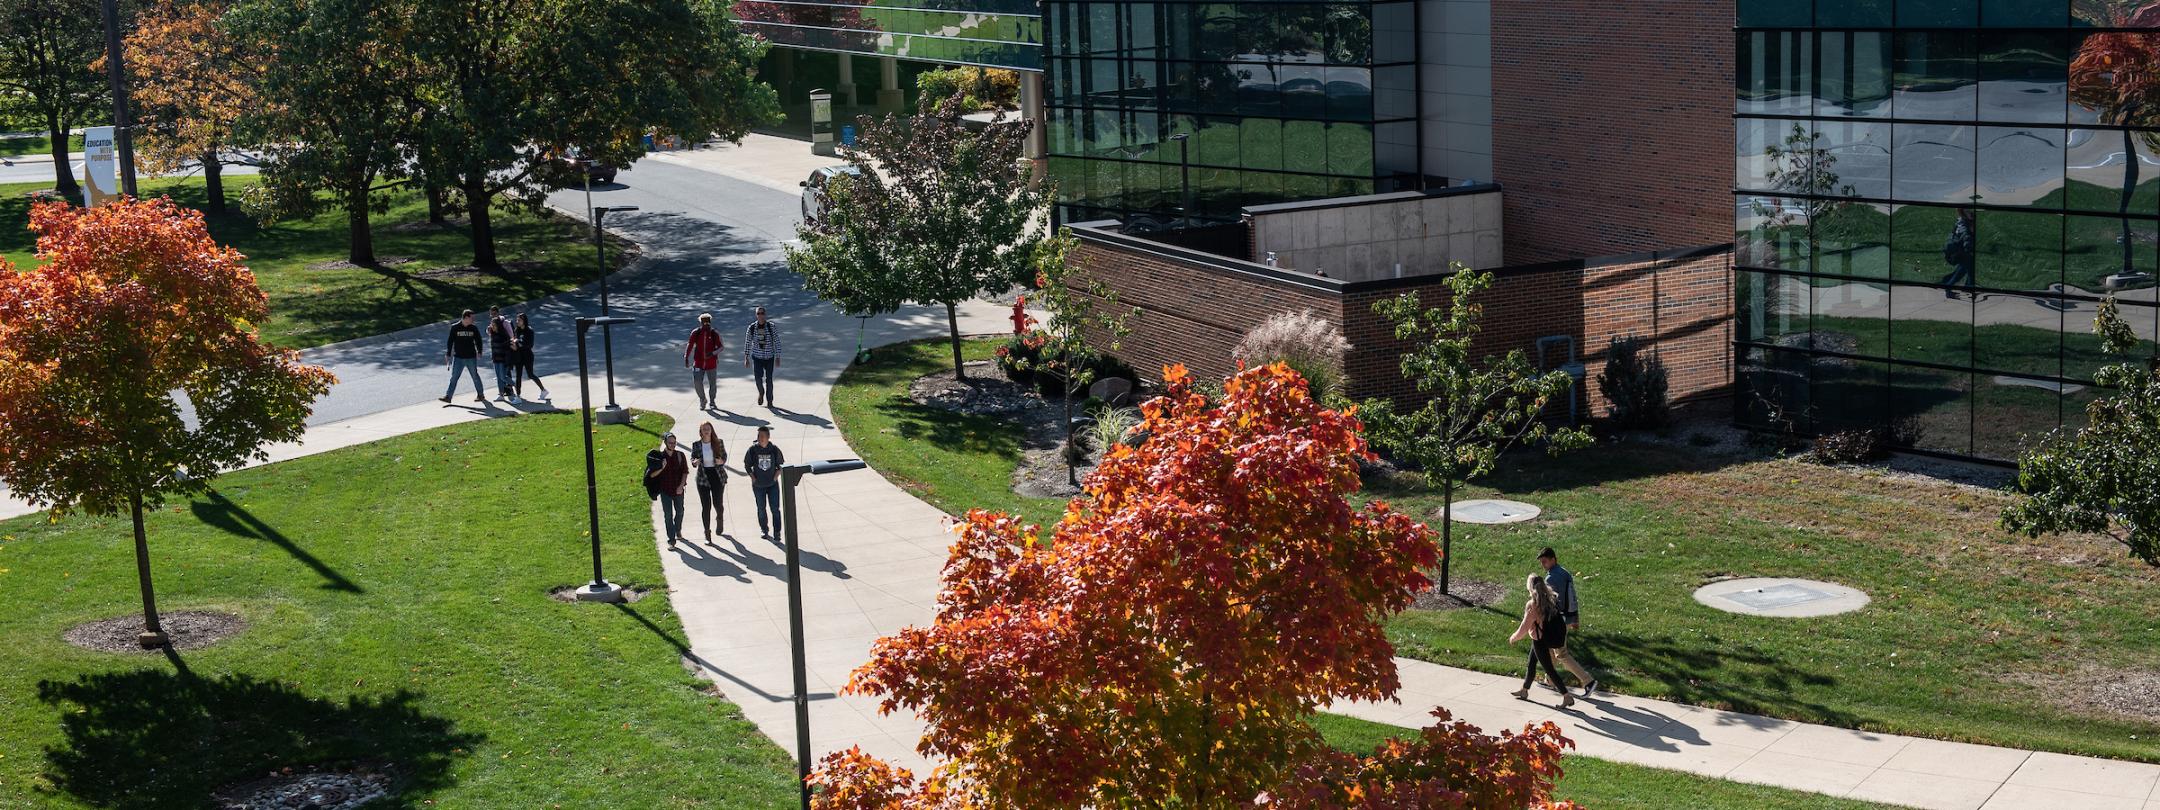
{"points": [[437, 209], [213, 172], [483, 230], [1072, 473], [952, 322], [2130, 179], [63, 170], [359, 240], [1447, 530], [153, 634]]}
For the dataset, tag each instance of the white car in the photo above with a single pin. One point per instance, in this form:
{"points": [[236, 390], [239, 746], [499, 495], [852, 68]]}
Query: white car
{"points": [[813, 194]]}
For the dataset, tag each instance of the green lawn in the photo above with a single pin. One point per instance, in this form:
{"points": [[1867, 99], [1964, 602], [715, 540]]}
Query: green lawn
{"points": [[1974, 635], [2013, 250], [316, 299], [396, 594], [40, 145], [1606, 785], [954, 461]]}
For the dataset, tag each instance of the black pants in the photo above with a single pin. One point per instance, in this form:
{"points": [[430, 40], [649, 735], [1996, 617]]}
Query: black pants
{"points": [[1541, 655], [761, 373], [1960, 272], [524, 370], [711, 504]]}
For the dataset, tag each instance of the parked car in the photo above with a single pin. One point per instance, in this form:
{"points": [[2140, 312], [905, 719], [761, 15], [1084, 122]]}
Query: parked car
{"points": [[573, 171], [813, 194]]}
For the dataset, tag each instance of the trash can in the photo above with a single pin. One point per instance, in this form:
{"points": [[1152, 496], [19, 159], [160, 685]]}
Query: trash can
{"points": [[847, 135]]}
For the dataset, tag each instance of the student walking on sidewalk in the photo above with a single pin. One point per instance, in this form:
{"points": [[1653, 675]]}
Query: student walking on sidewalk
{"points": [[1562, 585], [524, 358], [501, 351], [1541, 623], [462, 353], [666, 472], [702, 355], [761, 352], [762, 461], [708, 458]]}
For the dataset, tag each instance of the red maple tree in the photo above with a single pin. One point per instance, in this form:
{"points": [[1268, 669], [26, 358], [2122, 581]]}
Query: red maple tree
{"points": [[130, 303], [1211, 590]]}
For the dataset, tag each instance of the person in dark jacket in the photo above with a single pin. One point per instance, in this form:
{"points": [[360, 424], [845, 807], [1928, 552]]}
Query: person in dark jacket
{"points": [[501, 349], [524, 357], [1568, 610], [462, 354], [708, 458], [666, 474], [762, 463], [761, 352], [1959, 252]]}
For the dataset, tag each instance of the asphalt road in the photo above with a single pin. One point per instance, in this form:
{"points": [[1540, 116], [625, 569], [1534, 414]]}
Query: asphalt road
{"points": [[39, 169], [712, 244]]}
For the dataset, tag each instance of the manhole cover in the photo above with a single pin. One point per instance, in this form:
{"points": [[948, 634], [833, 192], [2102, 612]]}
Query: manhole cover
{"points": [[1764, 596], [1486, 510]]}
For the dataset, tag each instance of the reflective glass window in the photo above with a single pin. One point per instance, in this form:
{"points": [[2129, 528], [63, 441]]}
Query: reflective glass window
{"points": [[1774, 13], [1937, 13], [1934, 75], [1773, 308], [1392, 33], [1936, 404], [1853, 239], [1776, 72], [1350, 149], [1852, 13], [1854, 393], [2082, 355], [2099, 95], [2018, 250], [1261, 143], [1773, 387], [2021, 166], [1932, 162], [2031, 345], [2101, 165], [1919, 240], [2024, 13], [1394, 92], [1772, 233], [2096, 247], [2023, 76], [2011, 414], [1304, 146], [1852, 318], [1852, 159], [2114, 14], [1853, 77], [1349, 94], [1930, 325]]}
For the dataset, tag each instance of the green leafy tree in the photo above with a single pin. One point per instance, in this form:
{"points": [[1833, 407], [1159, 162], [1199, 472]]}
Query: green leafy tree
{"points": [[1081, 311], [1473, 410], [131, 302], [2101, 478], [333, 116], [46, 47], [503, 87], [936, 213]]}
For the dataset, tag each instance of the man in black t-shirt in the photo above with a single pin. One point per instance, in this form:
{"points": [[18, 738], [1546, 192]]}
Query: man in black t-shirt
{"points": [[462, 352], [762, 462]]}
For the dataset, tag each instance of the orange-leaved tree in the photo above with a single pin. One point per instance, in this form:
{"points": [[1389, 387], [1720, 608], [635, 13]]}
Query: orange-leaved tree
{"points": [[2117, 75], [204, 84], [130, 367], [1212, 588]]}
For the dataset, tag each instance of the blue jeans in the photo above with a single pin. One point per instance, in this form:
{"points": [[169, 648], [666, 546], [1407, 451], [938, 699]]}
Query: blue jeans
{"points": [[671, 514], [766, 498], [1960, 272], [761, 374], [505, 376], [466, 365]]}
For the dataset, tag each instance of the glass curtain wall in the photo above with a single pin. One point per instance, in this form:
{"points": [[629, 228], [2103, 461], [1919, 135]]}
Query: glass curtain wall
{"points": [[1278, 101], [1932, 197], [991, 33]]}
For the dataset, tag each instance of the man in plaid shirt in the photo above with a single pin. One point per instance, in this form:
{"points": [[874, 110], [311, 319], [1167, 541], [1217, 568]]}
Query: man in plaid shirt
{"points": [[761, 352]]}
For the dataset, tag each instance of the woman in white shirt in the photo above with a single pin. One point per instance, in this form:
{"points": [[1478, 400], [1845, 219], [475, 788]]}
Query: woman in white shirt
{"points": [[708, 463]]}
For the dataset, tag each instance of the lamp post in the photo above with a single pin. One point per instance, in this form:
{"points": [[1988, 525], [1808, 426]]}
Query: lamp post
{"points": [[613, 414], [1184, 154], [116, 73], [599, 589], [789, 476]]}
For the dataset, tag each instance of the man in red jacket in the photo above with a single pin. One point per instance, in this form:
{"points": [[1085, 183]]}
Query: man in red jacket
{"points": [[702, 355]]}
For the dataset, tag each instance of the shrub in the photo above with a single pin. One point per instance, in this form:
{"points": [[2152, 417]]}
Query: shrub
{"points": [[1634, 381], [1019, 357], [1863, 445], [978, 88], [1114, 426], [1310, 345]]}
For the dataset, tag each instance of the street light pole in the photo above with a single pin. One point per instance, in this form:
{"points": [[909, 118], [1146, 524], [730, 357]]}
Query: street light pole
{"points": [[116, 73], [1184, 158], [789, 476], [599, 589], [613, 414]]}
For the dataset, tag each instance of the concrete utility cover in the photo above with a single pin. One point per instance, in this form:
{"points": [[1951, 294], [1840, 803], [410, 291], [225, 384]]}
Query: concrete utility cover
{"points": [[2045, 385], [1789, 598], [1487, 510]]}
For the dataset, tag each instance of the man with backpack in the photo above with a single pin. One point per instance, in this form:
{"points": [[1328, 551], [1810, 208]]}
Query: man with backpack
{"points": [[1562, 584], [1959, 252], [702, 355]]}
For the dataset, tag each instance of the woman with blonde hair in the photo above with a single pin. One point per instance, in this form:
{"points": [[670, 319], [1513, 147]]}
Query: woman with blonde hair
{"points": [[1541, 623]]}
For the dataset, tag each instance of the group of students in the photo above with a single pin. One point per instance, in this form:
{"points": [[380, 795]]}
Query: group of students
{"points": [[761, 353], [668, 473], [1550, 614], [510, 346]]}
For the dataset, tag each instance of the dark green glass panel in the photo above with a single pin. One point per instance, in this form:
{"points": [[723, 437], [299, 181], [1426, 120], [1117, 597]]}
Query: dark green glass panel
{"points": [[1938, 13], [2024, 13], [1774, 13]]}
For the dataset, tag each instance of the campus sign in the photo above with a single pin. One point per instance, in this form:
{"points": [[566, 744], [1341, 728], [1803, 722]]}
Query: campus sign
{"points": [[101, 167]]}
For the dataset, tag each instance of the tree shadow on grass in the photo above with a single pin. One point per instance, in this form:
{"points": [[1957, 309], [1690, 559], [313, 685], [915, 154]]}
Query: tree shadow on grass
{"points": [[154, 739], [1690, 673], [233, 518], [955, 432]]}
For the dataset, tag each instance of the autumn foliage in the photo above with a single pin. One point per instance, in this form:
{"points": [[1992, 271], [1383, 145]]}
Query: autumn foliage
{"points": [[1212, 589], [131, 302]]}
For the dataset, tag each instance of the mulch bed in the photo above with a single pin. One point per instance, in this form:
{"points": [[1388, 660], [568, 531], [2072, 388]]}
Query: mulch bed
{"points": [[380, 263], [2126, 694], [568, 593], [1462, 594], [184, 630], [308, 790], [985, 392]]}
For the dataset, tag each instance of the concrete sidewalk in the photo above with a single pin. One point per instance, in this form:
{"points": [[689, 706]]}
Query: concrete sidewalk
{"points": [[768, 160]]}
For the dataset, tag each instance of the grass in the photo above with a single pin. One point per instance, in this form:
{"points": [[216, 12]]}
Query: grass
{"points": [[1974, 634], [396, 596], [954, 461], [35, 145], [1607, 785], [316, 299], [2013, 250]]}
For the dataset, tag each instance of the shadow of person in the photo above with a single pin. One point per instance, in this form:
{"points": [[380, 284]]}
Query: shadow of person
{"points": [[810, 419], [150, 738], [705, 562], [221, 512]]}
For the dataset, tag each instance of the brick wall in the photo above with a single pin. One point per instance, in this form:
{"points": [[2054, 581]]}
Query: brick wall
{"points": [[1195, 307], [1612, 127]]}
